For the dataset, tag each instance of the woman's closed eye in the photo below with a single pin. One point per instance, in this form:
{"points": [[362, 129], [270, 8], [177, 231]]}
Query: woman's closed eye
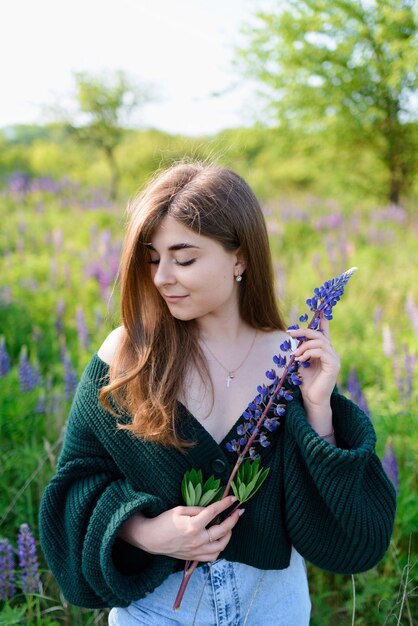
{"points": [[183, 263]]}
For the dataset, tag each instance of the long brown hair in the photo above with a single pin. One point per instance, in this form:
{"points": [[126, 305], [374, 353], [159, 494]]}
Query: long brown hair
{"points": [[150, 363]]}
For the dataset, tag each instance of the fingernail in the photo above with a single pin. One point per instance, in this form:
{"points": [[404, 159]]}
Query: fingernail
{"points": [[234, 498], [241, 511]]}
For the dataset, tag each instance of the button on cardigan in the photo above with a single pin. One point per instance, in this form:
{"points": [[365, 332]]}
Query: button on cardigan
{"points": [[335, 505]]}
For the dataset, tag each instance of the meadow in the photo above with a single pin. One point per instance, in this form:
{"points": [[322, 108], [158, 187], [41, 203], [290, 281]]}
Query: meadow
{"points": [[60, 244]]}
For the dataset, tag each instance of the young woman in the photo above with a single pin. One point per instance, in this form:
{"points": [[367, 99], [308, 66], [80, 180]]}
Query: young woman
{"points": [[166, 392]]}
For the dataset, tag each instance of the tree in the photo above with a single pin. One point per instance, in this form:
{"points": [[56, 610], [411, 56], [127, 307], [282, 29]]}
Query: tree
{"points": [[106, 104], [349, 67]]}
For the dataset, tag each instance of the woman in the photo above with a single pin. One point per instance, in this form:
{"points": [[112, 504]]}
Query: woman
{"points": [[166, 392]]}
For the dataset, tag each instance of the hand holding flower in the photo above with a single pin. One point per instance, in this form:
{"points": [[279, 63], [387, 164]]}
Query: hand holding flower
{"points": [[181, 532], [320, 378]]}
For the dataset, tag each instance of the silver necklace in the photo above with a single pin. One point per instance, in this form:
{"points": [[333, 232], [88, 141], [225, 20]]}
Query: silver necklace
{"points": [[231, 372]]}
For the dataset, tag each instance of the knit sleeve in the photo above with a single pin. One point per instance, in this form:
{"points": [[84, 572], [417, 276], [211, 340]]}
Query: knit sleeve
{"points": [[82, 511], [340, 505]]}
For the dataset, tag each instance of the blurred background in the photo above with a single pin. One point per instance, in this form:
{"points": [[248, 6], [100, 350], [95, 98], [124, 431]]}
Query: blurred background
{"points": [[315, 104]]}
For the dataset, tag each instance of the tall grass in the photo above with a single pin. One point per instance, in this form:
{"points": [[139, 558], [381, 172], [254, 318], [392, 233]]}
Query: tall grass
{"points": [[59, 253]]}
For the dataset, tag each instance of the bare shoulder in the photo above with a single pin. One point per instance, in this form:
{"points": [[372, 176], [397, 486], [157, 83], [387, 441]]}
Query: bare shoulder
{"points": [[107, 350]]}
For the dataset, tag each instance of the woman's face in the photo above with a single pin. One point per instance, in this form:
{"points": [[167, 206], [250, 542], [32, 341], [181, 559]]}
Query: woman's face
{"points": [[194, 274]]}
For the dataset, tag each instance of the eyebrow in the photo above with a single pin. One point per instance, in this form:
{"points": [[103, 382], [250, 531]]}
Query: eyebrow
{"points": [[175, 246]]}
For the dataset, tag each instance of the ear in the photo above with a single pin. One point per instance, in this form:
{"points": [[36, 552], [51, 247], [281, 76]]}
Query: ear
{"points": [[240, 264]]}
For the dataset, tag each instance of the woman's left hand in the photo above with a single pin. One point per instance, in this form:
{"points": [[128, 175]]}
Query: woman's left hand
{"points": [[319, 379]]}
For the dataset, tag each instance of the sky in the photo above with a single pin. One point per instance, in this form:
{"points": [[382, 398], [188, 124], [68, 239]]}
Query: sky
{"points": [[182, 49]]}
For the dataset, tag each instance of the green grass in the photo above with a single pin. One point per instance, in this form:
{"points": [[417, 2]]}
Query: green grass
{"points": [[47, 249]]}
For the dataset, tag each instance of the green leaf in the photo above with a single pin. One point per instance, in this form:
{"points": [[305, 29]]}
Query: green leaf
{"points": [[210, 496], [198, 494], [241, 493], [192, 498]]}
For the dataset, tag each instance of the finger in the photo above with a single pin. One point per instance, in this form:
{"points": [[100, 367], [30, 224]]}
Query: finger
{"points": [[316, 353], [190, 511], [324, 326], [313, 344], [213, 510], [309, 333], [217, 531]]}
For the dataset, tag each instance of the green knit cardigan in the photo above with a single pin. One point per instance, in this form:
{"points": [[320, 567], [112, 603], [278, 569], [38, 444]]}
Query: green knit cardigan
{"points": [[335, 505]]}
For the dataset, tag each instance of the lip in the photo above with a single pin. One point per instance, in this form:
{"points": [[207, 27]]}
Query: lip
{"points": [[174, 298]]}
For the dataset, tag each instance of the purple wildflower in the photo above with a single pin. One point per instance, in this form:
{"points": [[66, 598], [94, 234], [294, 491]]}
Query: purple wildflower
{"points": [[60, 310], [7, 574], [388, 346], [406, 382], [354, 389], [378, 312], [27, 375], [70, 377], [41, 404], [82, 332], [4, 359], [270, 403], [28, 560], [390, 464], [411, 310]]}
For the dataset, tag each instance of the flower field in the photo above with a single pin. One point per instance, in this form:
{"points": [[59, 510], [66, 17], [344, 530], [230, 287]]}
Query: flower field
{"points": [[60, 247]]}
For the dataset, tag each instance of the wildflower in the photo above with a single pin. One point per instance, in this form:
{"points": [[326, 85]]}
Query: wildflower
{"points": [[322, 303], [264, 411], [4, 358], [354, 389], [82, 332], [388, 346], [60, 310], [411, 310], [28, 561], [70, 377], [7, 574], [27, 376], [41, 404], [390, 464]]}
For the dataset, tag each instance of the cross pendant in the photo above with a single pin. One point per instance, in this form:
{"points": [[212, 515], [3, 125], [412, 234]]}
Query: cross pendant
{"points": [[229, 378]]}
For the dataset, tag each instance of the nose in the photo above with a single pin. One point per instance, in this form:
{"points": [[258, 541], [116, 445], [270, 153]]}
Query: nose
{"points": [[163, 274]]}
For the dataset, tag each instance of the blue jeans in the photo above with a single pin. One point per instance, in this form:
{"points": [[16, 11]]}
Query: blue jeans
{"points": [[223, 593]]}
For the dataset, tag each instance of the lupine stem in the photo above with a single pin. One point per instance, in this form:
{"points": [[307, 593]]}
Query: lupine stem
{"points": [[189, 569], [328, 295]]}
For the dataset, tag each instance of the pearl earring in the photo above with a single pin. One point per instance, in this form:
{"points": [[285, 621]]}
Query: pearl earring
{"points": [[238, 278]]}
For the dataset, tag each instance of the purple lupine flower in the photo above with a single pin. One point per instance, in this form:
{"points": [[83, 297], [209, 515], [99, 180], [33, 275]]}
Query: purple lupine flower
{"points": [[406, 381], [4, 358], [356, 394], [7, 573], [28, 561], [70, 377], [41, 404], [27, 375], [411, 310], [388, 345], [390, 464], [57, 239], [378, 313], [19, 182], [272, 400], [82, 332], [58, 321]]}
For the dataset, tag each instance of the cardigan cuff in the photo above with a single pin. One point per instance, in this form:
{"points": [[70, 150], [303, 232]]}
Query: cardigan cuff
{"points": [[115, 584], [352, 427]]}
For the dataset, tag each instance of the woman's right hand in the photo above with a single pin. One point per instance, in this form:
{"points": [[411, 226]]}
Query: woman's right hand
{"points": [[181, 532]]}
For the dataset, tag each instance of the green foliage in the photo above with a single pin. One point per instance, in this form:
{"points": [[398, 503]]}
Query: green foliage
{"points": [[345, 68], [50, 243], [197, 493], [248, 480], [106, 104]]}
